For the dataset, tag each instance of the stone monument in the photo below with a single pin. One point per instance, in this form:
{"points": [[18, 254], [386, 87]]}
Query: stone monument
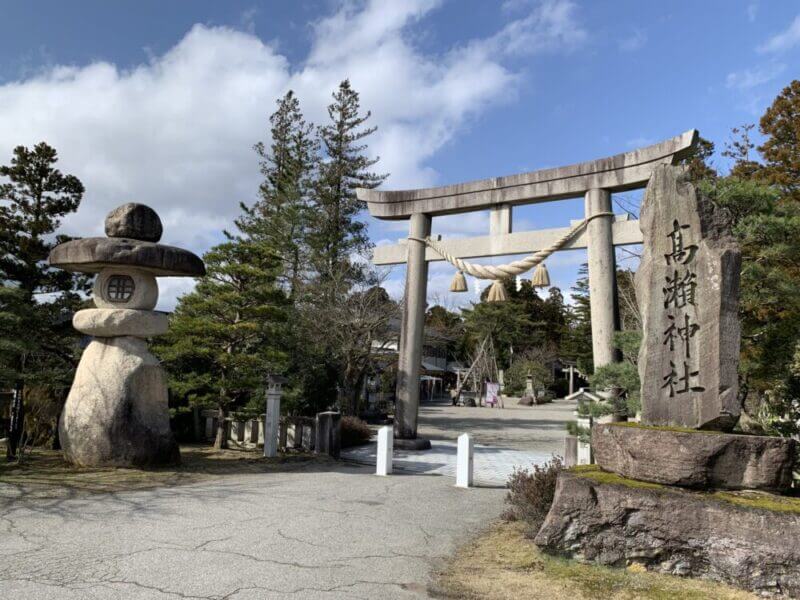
{"points": [[116, 413], [679, 493], [687, 287]]}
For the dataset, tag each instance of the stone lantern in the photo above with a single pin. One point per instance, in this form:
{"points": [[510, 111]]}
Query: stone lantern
{"points": [[116, 412]]}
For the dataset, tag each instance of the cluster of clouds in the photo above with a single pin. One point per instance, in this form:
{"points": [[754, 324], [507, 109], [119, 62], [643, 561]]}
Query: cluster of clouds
{"points": [[176, 131], [772, 52]]}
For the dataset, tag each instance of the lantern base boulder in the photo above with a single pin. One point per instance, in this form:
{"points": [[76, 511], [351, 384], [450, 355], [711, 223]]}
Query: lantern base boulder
{"points": [[116, 413], [747, 539]]}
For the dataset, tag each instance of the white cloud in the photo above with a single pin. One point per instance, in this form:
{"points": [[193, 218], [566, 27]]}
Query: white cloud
{"points": [[752, 11], [176, 132], [550, 25], [750, 78], [783, 41], [633, 42]]}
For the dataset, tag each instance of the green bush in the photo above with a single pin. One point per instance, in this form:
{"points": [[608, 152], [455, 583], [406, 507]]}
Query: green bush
{"points": [[530, 494], [355, 432]]}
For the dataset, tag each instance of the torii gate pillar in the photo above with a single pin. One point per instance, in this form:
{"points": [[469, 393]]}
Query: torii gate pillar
{"points": [[411, 332], [602, 275]]}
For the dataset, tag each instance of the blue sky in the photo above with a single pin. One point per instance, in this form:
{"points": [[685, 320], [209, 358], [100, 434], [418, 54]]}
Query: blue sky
{"points": [[160, 102]]}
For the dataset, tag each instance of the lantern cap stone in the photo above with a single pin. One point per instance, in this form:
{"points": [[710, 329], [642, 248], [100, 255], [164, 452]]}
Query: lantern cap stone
{"points": [[134, 221], [133, 231]]}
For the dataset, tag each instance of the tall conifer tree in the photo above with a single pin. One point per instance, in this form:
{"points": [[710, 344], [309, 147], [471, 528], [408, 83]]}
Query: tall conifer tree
{"points": [[280, 216], [35, 347], [223, 336], [336, 230]]}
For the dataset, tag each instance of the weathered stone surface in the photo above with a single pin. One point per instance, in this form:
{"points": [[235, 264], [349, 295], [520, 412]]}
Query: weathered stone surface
{"points": [[329, 434], [91, 255], [110, 322], [674, 531], [135, 221], [145, 293], [116, 413], [619, 172], [695, 459], [687, 286]]}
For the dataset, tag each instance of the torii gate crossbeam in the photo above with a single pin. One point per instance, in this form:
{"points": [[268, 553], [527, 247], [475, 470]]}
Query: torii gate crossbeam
{"points": [[594, 180]]}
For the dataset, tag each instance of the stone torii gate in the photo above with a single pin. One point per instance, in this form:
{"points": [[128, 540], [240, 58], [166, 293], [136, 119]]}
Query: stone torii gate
{"points": [[594, 180]]}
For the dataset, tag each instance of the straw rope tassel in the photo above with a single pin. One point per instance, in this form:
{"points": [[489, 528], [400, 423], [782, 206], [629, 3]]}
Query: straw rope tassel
{"points": [[459, 283], [540, 278], [497, 293]]}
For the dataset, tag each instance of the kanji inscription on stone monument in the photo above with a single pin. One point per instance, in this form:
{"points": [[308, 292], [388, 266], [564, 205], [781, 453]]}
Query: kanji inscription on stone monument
{"points": [[687, 286]]}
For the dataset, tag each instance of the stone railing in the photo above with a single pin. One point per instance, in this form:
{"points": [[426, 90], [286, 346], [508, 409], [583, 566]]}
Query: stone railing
{"points": [[294, 432]]}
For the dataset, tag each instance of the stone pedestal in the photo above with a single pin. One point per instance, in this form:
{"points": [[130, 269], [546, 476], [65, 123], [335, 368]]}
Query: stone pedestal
{"points": [[699, 459], [749, 541], [116, 413]]}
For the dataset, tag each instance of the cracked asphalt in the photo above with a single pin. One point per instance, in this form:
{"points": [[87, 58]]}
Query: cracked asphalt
{"points": [[323, 531]]}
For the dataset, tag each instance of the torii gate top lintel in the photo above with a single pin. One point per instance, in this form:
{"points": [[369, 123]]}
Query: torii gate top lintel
{"points": [[629, 170]]}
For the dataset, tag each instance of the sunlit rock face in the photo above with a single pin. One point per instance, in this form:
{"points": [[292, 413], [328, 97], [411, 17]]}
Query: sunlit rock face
{"points": [[116, 413]]}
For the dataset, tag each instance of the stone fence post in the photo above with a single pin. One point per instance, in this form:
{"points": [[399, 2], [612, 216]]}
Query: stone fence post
{"points": [[328, 434]]}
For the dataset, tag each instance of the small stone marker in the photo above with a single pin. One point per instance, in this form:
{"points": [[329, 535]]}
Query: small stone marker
{"points": [[272, 417], [385, 451], [464, 461], [687, 286]]}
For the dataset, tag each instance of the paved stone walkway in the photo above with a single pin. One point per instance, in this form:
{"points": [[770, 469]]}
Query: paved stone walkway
{"points": [[329, 531], [508, 438], [492, 466], [324, 531]]}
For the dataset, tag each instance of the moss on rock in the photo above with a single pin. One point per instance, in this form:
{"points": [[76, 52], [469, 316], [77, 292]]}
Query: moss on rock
{"points": [[745, 499]]}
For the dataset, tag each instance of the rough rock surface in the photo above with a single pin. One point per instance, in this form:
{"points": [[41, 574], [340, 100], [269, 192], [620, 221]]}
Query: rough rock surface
{"points": [[136, 221], [91, 255], [145, 293], [111, 322], [116, 413], [673, 531], [697, 459], [687, 287]]}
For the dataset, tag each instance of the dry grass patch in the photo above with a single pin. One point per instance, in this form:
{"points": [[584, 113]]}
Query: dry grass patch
{"points": [[45, 472], [503, 564]]}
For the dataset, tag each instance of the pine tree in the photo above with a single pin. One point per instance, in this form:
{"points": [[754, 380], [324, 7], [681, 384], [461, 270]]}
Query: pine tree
{"points": [[781, 150], [224, 337], [336, 230], [766, 228], [578, 341], [699, 161], [35, 197], [280, 216]]}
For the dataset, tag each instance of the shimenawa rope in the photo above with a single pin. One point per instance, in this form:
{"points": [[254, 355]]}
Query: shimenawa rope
{"points": [[511, 269]]}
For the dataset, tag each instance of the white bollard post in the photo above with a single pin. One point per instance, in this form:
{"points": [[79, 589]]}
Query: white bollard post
{"points": [[385, 450], [464, 461]]}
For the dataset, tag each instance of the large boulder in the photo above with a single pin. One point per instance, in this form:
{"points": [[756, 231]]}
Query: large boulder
{"points": [[699, 459], [748, 542], [116, 413]]}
